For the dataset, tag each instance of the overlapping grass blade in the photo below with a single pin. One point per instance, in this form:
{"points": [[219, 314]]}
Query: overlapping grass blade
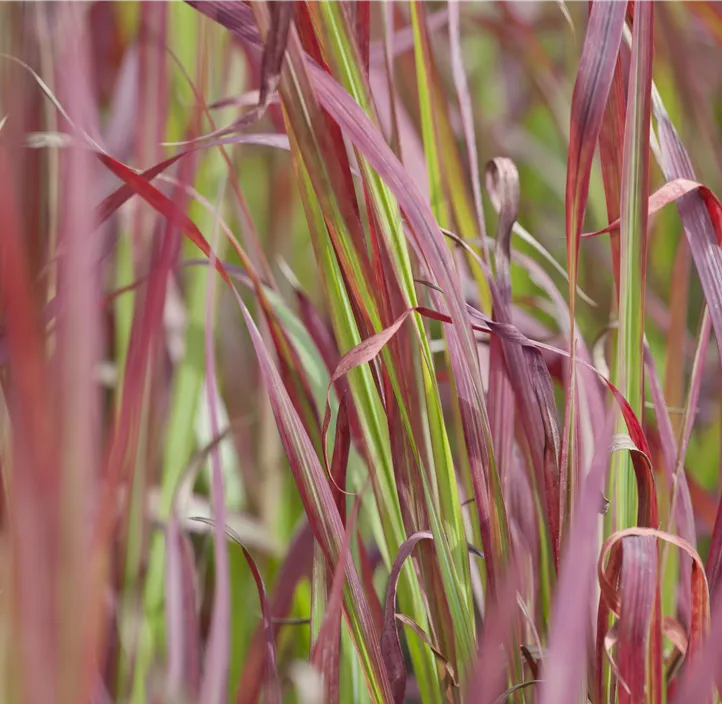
{"points": [[591, 89], [323, 516], [589, 100], [633, 243]]}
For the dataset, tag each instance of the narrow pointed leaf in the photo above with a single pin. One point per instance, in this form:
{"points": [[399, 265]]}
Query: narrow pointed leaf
{"points": [[594, 79]]}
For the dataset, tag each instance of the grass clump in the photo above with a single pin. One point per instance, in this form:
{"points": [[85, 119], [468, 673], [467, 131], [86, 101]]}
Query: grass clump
{"points": [[357, 352]]}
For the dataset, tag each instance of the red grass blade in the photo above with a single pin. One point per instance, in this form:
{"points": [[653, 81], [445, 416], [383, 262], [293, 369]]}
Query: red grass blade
{"points": [[530, 381], [450, 675], [610, 137], [697, 683], [701, 216], [297, 382], [647, 515], [339, 461], [360, 130], [638, 590], [589, 100], [214, 686], [591, 89], [702, 220], [570, 626], [363, 353], [363, 30], [487, 684], [683, 514], [273, 685], [34, 469], [714, 558], [323, 338], [112, 202], [316, 496], [467, 118], [173, 214], [636, 444], [296, 566], [501, 175], [390, 643], [163, 205], [325, 652], [184, 662], [274, 50], [671, 192], [700, 620], [357, 126], [236, 16], [145, 334]]}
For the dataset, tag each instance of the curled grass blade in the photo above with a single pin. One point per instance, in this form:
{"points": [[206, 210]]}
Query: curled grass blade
{"points": [[273, 686], [700, 624], [390, 643], [295, 567], [700, 215], [670, 192], [531, 384]]}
